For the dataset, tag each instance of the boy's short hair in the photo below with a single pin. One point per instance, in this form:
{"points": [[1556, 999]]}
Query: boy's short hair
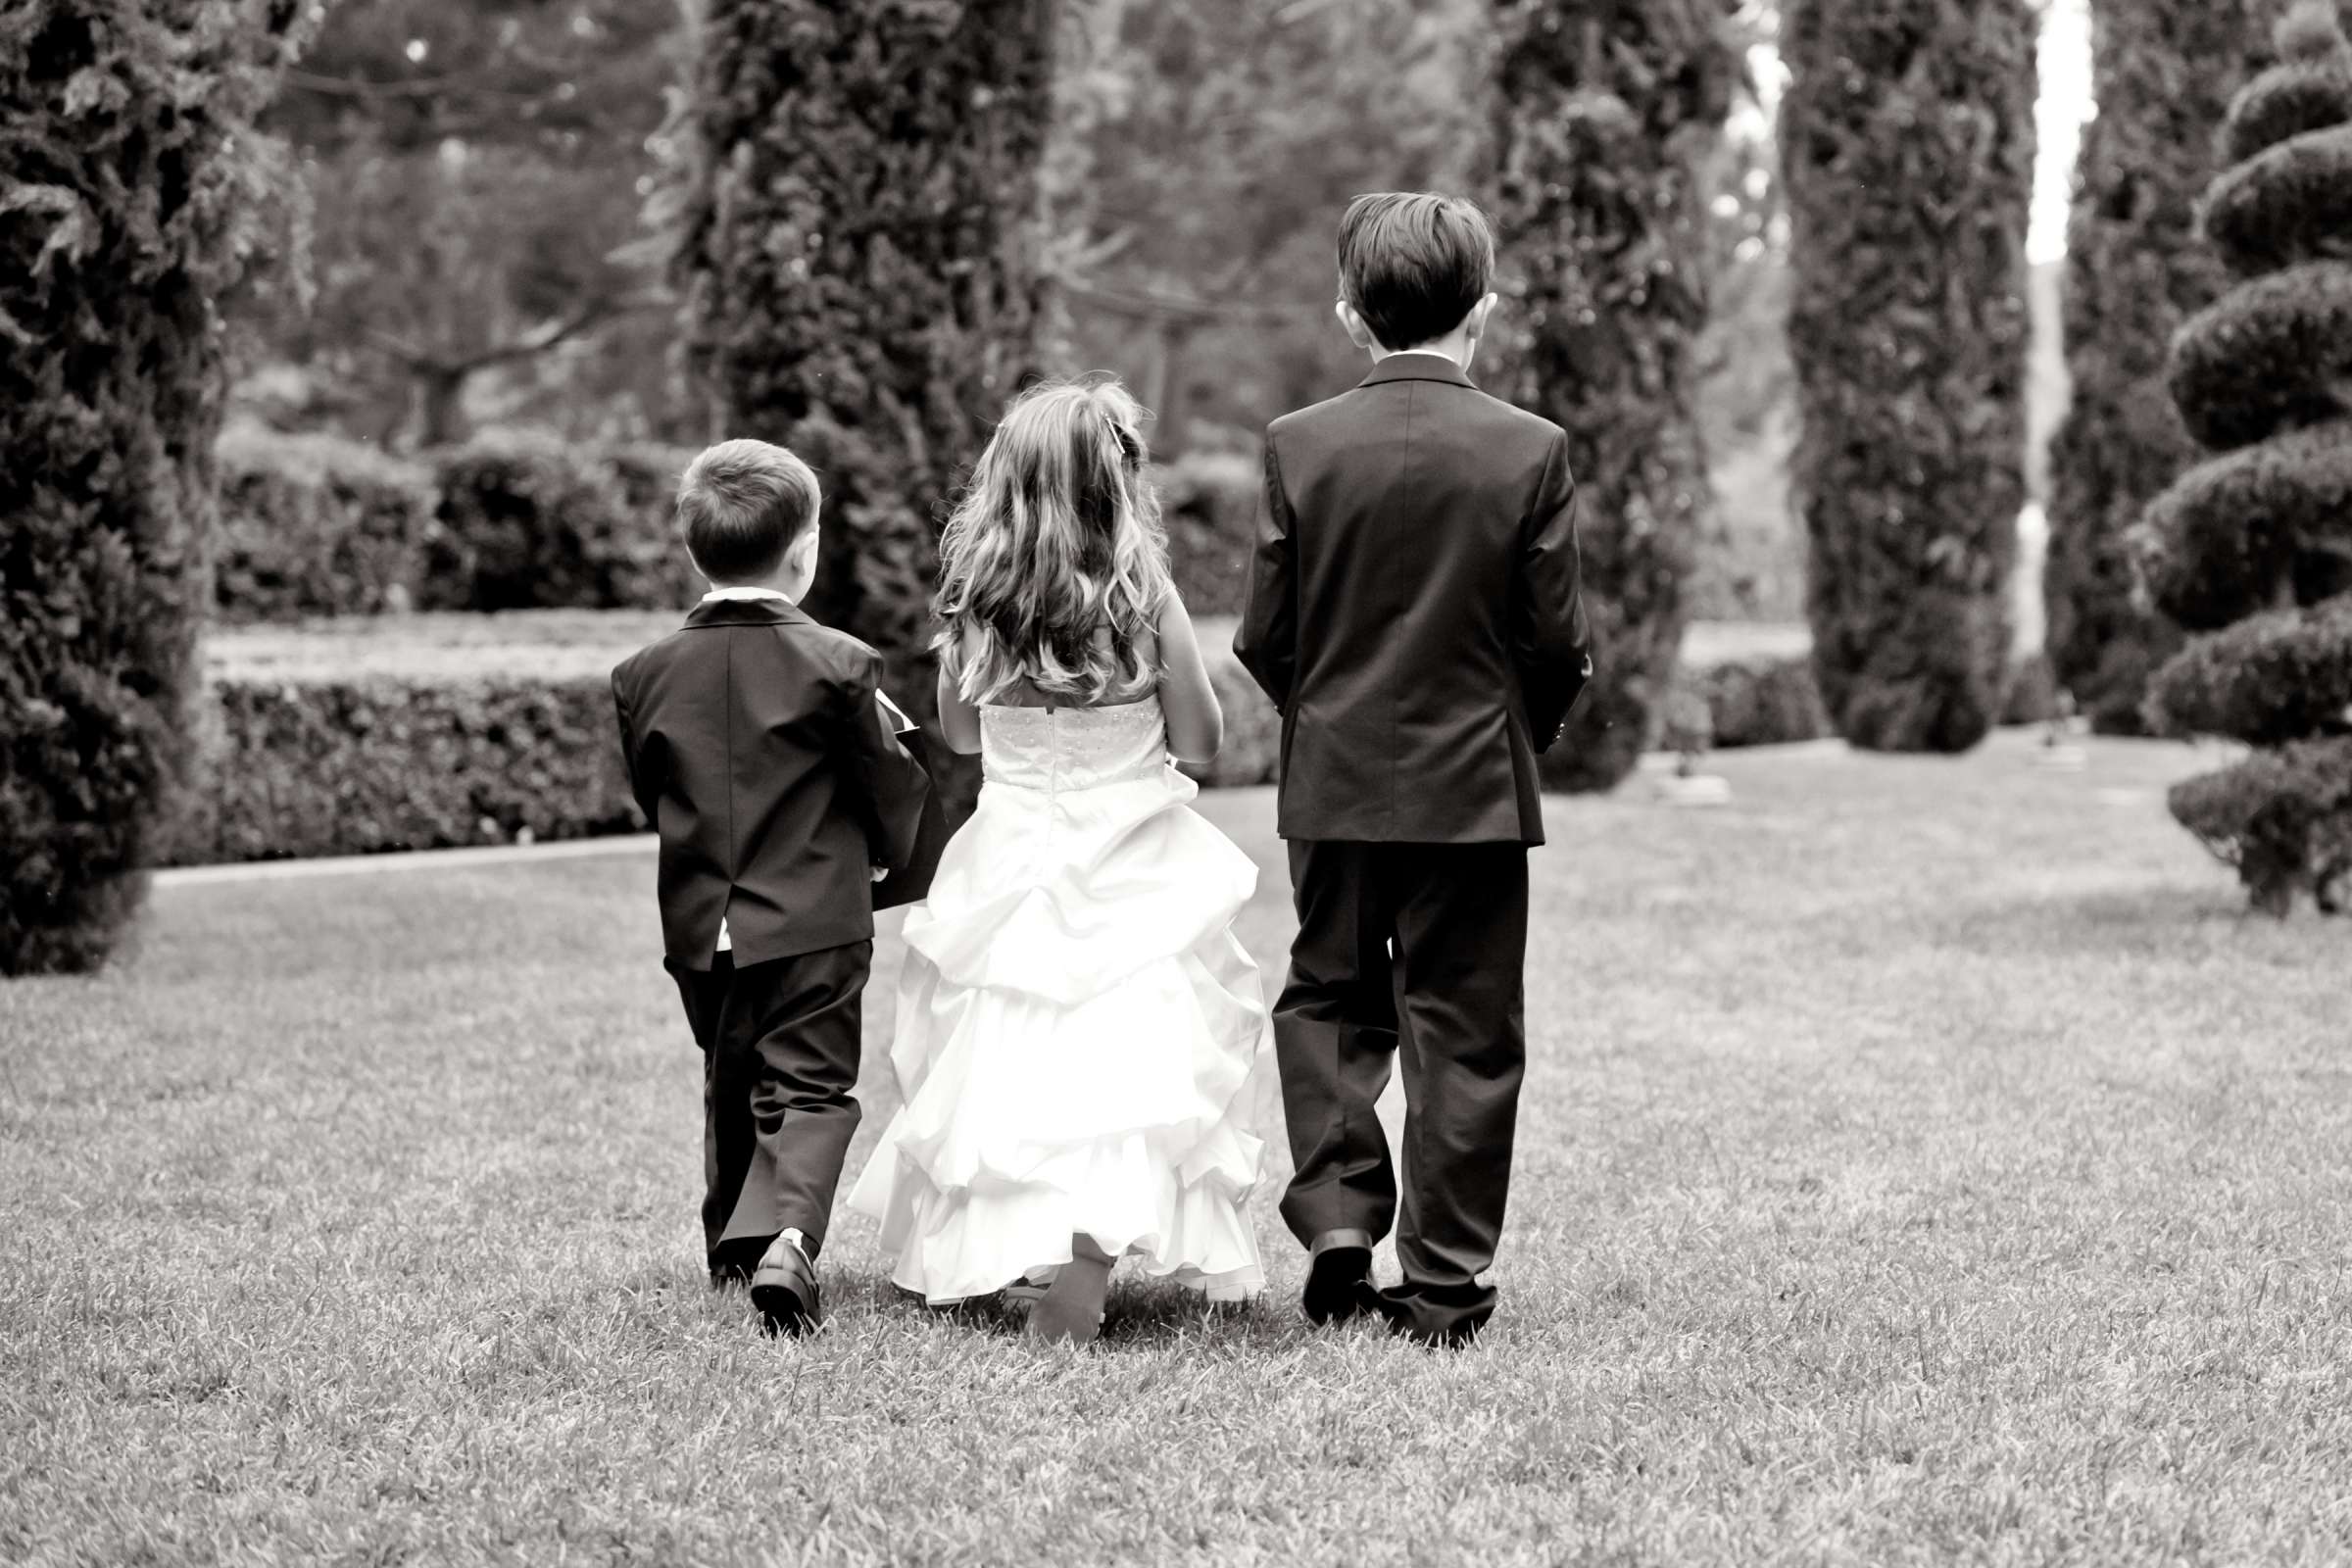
{"points": [[741, 505], [1412, 264]]}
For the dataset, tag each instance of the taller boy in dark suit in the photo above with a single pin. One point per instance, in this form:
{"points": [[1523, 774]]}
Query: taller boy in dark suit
{"points": [[760, 752], [1414, 614]]}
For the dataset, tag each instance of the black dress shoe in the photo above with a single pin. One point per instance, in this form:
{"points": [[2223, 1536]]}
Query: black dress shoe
{"points": [[1437, 1324], [784, 1290], [1339, 1277]]}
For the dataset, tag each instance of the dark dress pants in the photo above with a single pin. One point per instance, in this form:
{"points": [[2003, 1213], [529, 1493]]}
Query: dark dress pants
{"points": [[1421, 947], [780, 1043]]}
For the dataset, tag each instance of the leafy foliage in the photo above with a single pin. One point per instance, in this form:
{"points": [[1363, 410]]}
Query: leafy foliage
{"points": [[2283, 817], [131, 177], [295, 769], [1761, 702], [2261, 377], [2163, 73], [1907, 140], [1201, 155], [1607, 117], [861, 261], [529, 524], [472, 170], [2285, 101], [2270, 354], [439, 730], [2218, 546], [316, 525], [2270, 679]]}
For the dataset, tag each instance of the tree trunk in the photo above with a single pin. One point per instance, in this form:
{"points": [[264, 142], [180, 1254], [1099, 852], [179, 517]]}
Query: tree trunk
{"points": [[441, 406]]}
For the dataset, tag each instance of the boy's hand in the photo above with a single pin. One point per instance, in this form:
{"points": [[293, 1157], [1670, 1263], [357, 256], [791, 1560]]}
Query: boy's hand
{"points": [[881, 871]]}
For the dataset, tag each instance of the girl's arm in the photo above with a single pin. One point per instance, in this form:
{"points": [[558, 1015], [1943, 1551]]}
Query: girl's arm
{"points": [[1196, 723], [960, 719]]}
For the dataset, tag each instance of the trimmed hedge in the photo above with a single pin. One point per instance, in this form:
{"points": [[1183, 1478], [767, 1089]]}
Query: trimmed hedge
{"points": [[2163, 72], [133, 203], [526, 523], [362, 767], [440, 742], [1775, 701], [316, 525], [1770, 701], [1907, 144]]}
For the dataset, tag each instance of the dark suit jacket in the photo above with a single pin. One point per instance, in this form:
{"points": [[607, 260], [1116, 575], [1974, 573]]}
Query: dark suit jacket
{"points": [[757, 751], [1415, 608]]}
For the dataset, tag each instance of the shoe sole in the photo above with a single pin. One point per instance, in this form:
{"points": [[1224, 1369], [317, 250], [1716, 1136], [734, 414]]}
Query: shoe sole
{"points": [[1333, 1278]]}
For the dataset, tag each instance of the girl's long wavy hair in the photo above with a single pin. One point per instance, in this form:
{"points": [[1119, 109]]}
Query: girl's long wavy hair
{"points": [[1056, 554]]}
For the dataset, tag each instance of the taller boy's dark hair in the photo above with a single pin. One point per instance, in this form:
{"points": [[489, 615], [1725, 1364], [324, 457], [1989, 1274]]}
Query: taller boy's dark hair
{"points": [[1412, 264], [741, 506]]}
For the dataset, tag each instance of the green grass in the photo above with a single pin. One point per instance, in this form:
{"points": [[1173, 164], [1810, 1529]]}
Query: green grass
{"points": [[1920, 1161]]}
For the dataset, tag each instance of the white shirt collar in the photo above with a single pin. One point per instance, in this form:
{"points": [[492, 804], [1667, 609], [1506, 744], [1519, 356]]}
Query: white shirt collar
{"points": [[743, 593]]}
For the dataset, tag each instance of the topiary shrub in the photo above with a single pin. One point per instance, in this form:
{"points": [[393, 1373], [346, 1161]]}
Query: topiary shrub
{"points": [[2283, 817], [1607, 116], [131, 205], [2163, 72], [2270, 679], [315, 526], [2258, 542], [1907, 148], [858, 255], [530, 522]]}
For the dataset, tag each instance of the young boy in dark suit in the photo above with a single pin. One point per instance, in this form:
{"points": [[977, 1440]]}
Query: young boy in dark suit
{"points": [[761, 752], [1414, 613]]}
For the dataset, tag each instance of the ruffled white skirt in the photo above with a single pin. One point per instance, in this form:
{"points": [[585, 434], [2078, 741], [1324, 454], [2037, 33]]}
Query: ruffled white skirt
{"points": [[1082, 1044]]}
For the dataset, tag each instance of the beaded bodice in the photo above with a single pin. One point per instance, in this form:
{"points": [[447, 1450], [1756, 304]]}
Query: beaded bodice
{"points": [[1057, 749]]}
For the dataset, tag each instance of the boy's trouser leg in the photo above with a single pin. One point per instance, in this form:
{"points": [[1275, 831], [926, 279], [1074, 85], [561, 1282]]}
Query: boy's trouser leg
{"points": [[781, 1047], [1335, 1034], [1461, 949]]}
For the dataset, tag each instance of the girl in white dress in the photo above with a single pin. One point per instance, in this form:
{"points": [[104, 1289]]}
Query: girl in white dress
{"points": [[1081, 1040]]}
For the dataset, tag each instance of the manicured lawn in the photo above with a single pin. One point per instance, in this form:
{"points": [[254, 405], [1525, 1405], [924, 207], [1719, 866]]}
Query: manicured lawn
{"points": [[1921, 1161]]}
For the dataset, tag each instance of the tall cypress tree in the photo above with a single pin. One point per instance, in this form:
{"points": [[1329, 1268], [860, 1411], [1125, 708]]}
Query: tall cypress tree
{"points": [[859, 252], [1608, 114], [1907, 147], [2164, 72], [2253, 547], [130, 181]]}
